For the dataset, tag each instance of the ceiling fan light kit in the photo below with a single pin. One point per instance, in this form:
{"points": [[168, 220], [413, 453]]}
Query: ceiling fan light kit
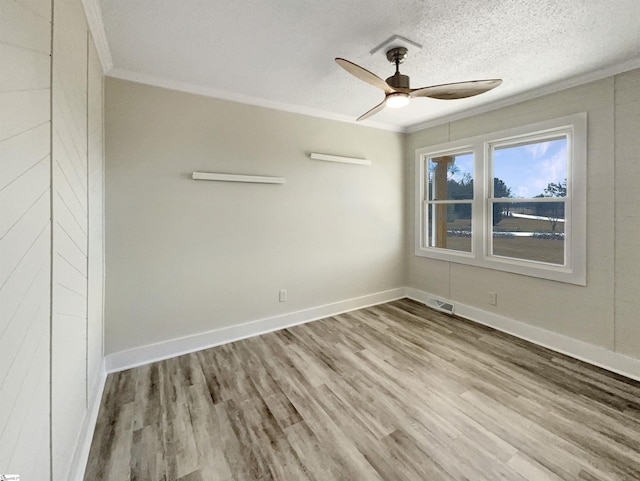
{"points": [[397, 88], [397, 100]]}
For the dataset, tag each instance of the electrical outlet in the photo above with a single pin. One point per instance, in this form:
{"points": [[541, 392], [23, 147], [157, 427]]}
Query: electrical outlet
{"points": [[493, 298], [282, 295]]}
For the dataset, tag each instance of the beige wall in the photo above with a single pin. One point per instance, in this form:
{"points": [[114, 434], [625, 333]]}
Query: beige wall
{"points": [[214, 255], [51, 360], [604, 312], [627, 213], [185, 256]]}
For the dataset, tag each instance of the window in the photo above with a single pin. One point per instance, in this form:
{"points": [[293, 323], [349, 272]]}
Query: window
{"points": [[450, 192], [513, 200]]}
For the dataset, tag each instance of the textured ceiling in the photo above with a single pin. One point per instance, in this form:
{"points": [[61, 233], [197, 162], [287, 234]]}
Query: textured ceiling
{"points": [[280, 52]]}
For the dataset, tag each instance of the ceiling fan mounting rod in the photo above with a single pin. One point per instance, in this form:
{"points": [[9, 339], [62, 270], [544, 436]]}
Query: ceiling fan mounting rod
{"points": [[397, 55]]}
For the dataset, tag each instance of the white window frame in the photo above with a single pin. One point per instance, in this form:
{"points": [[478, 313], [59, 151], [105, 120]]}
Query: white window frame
{"points": [[574, 270]]}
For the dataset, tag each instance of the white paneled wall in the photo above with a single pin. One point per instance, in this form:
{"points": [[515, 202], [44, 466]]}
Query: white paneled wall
{"points": [[70, 228], [95, 224], [51, 249], [25, 247]]}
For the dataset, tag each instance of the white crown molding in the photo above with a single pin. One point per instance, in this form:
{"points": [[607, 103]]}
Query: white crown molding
{"points": [[283, 106], [243, 99], [530, 94], [589, 353], [119, 361], [96, 26]]}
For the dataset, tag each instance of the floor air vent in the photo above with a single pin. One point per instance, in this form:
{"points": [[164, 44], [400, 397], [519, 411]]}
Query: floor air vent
{"points": [[440, 305]]}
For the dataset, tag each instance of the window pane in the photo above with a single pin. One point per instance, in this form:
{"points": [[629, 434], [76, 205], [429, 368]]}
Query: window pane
{"points": [[532, 231], [451, 177], [533, 169], [449, 226]]}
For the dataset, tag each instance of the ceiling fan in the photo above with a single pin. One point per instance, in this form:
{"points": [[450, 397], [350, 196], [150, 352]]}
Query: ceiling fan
{"points": [[397, 91]]}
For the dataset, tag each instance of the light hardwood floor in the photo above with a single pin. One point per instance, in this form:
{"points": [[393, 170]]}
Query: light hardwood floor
{"points": [[392, 392]]}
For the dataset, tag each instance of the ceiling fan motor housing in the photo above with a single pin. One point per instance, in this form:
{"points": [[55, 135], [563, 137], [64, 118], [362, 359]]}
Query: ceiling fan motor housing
{"points": [[398, 81]]}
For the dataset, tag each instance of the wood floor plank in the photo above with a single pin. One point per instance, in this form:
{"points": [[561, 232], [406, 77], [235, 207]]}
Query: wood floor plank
{"points": [[391, 392], [319, 461]]}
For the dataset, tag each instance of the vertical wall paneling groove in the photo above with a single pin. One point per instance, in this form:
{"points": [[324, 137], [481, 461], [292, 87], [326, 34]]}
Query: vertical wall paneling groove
{"points": [[86, 347], [25, 115], [76, 302], [615, 219], [50, 439]]}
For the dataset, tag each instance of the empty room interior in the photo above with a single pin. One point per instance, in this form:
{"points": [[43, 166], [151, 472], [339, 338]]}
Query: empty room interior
{"points": [[339, 240]]}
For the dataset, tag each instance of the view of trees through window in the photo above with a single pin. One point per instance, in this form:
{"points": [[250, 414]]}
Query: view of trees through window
{"points": [[451, 190], [527, 200]]}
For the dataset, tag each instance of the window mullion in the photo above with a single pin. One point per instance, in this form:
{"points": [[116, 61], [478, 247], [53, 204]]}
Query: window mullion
{"points": [[480, 205]]}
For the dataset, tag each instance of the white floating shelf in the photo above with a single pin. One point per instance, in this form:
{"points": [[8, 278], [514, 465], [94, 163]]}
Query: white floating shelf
{"points": [[252, 179], [337, 158]]}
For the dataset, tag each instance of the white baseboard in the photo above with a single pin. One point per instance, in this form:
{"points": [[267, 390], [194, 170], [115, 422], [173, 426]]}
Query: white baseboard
{"points": [[81, 454], [119, 361], [590, 353]]}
